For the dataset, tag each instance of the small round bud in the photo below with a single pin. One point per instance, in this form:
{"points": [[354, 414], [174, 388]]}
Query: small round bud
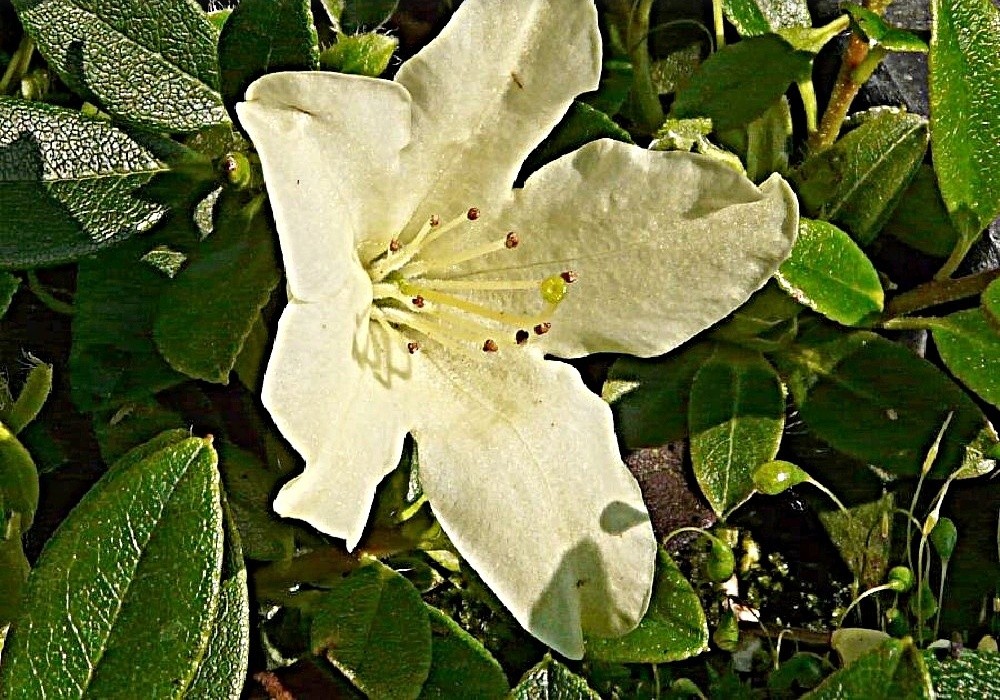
{"points": [[490, 345], [721, 562], [900, 579], [521, 337], [511, 241], [472, 214], [237, 169]]}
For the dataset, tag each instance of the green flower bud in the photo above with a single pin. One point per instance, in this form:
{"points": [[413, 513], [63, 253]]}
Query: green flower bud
{"points": [[727, 634], [943, 537], [721, 562], [900, 579], [775, 477]]}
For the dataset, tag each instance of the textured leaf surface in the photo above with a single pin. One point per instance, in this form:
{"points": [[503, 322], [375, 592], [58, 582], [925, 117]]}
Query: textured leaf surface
{"points": [[921, 220], [121, 602], [460, 666], [875, 400], [894, 670], [550, 680], [264, 36], [965, 123], [149, 62], [970, 345], [360, 54], [736, 415], [739, 82], [830, 274], [68, 184], [206, 312], [857, 182], [649, 398], [674, 627], [374, 627], [753, 17], [973, 672]]}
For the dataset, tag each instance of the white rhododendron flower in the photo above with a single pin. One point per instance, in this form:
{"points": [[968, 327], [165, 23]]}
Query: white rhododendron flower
{"points": [[425, 292]]}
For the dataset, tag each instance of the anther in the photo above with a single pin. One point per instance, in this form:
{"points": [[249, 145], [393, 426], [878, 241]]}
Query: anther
{"points": [[543, 328], [569, 277], [412, 347], [490, 345], [511, 241], [473, 214], [435, 220], [521, 337], [395, 245], [418, 301]]}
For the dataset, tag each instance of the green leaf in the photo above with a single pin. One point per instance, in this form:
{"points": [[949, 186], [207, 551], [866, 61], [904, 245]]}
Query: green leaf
{"points": [[616, 83], [148, 62], [207, 311], [113, 358], [460, 665], [857, 182], [862, 536], [550, 680], [893, 670], [360, 54], [965, 125], [98, 622], [35, 390], [753, 17], [875, 400], [875, 29], [649, 398], [222, 672], [580, 125], [365, 14], [990, 303], [8, 287], [14, 570], [121, 429], [973, 672], [739, 82], [68, 184], [673, 628], [374, 627], [829, 273], [736, 415], [920, 220], [264, 36], [769, 139], [970, 346], [18, 483], [765, 322]]}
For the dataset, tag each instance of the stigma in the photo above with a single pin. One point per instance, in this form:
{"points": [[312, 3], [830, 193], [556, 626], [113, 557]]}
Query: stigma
{"points": [[422, 296]]}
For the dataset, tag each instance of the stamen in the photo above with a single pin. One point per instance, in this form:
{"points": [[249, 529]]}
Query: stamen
{"points": [[422, 267], [521, 337], [490, 345], [543, 328], [412, 347], [395, 245], [472, 214], [511, 240], [474, 285], [478, 309], [428, 233], [418, 301], [569, 277]]}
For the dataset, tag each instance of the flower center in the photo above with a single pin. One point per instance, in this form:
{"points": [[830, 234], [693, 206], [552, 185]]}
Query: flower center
{"points": [[418, 289]]}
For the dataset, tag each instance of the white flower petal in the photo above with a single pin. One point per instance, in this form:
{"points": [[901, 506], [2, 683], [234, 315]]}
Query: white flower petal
{"points": [[488, 89], [329, 145], [329, 390], [664, 244], [520, 464]]}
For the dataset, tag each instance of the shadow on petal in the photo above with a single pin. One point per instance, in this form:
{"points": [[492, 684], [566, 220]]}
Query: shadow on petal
{"points": [[386, 357], [618, 516]]}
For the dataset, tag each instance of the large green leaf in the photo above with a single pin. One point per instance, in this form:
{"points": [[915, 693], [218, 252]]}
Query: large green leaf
{"points": [[550, 680], [263, 36], [875, 400], [970, 345], [965, 123], [673, 628], [893, 671], [206, 312], [920, 220], [68, 184], [739, 82], [736, 414], [972, 673], [829, 273], [460, 666], [113, 358], [858, 181], [649, 398], [753, 17], [148, 62], [374, 627], [122, 600]]}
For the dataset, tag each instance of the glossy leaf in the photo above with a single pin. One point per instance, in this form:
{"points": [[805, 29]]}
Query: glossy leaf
{"points": [[829, 273], [875, 400], [97, 623], [460, 665], [649, 398], [970, 346], [965, 125], [736, 414], [857, 182], [973, 672], [673, 628], [777, 476], [739, 82], [206, 312], [373, 626], [875, 29], [551, 680], [753, 17], [895, 669], [264, 36], [921, 220], [68, 184], [148, 62], [360, 54]]}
